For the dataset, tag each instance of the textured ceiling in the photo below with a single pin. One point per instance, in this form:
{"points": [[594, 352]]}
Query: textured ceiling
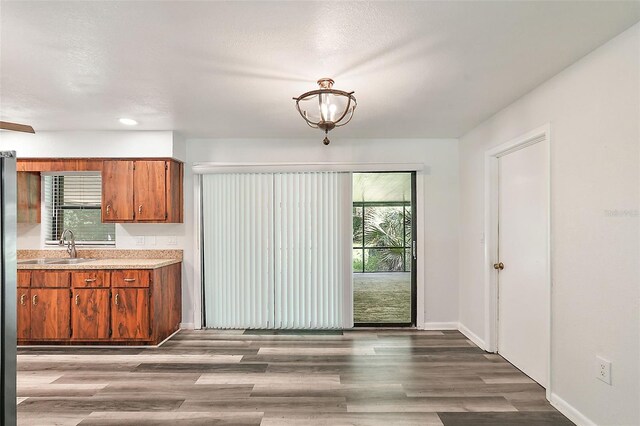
{"points": [[230, 69]]}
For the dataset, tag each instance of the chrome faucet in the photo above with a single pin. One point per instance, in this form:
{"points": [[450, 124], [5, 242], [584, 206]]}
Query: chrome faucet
{"points": [[71, 245]]}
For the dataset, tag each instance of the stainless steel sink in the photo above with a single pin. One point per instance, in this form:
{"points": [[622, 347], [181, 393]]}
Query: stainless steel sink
{"points": [[49, 261], [69, 261], [34, 261]]}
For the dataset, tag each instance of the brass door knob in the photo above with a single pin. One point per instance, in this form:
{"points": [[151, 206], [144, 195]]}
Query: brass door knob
{"points": [[498, 266]]}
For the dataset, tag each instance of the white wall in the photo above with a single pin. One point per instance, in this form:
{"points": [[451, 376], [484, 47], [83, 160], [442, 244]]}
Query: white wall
{"points": [[593, 108], [92, 144], [440, 192]]}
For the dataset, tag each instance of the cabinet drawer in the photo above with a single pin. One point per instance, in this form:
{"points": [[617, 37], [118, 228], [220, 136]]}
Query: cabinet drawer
{"points": [[50, 278], [23, 278], [131, 278], [89, 278]]}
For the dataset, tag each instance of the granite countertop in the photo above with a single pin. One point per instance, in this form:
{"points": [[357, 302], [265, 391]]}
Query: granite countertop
{"points": [[106, 264]]}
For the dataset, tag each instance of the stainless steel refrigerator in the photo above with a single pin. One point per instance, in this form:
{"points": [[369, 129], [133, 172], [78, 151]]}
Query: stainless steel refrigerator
{"points": [[8, 207]]}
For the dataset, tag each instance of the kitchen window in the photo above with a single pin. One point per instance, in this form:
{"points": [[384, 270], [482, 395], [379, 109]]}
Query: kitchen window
{"points": [[74, 201]]}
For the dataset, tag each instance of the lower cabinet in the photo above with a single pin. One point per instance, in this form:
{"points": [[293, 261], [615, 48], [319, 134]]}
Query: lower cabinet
{"points": [[99, 306], [50, 313], [130, 313], [23, 314], [90, 314]]}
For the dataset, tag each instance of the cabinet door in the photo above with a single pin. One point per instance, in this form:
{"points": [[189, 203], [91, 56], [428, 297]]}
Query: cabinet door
{"points": [[150, 191], [90, 313], [23, 314], [130, 313], [117, 191], [28, 197], [175, 197], [50, 313]]}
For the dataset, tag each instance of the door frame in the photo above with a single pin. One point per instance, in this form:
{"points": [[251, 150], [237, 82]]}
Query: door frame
{"points": [[421, 170], [414, 262], [541, 134]]}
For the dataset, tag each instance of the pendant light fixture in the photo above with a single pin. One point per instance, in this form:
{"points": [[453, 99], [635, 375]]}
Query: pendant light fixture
{"points": [[326, 108]]}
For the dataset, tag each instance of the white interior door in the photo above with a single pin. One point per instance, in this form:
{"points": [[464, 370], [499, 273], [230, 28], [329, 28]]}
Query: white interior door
{"points": [[523, 286]]}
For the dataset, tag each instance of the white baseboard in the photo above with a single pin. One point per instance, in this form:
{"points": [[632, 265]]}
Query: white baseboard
{"points": [[571, 412], [438, 326], [472, 336], [186, 325]]}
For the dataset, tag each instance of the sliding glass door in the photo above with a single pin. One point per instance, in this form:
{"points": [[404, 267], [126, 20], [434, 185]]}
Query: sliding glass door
{"points": [[383, 249]]}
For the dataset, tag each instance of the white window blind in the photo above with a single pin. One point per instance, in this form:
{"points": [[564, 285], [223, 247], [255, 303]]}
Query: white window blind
{"points": [[312, 263], [73, 201], [277, 250], [237, 217]]}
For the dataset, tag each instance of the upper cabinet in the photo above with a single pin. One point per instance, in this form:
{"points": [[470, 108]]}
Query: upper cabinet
{"points": [[133, 190], [148, 191], [117, 191], [28, 197]]}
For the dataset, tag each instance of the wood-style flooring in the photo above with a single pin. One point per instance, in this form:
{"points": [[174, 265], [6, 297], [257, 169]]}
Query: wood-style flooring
{"points": [[361, 377]]}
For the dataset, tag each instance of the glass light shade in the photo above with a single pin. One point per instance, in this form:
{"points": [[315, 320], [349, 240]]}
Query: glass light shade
{"points": [[326, 108]]}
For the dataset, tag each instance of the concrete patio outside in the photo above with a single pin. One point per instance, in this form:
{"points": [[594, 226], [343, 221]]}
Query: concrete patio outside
{"points": [[382, 297]]}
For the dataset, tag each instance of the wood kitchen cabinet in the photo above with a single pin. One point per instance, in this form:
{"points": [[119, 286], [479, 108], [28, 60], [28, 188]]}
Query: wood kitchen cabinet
{"points": [[50, 313], [28, 197], [88, 306], [130, 314], [147, 191], [23, 314], [117, 191], [150, 190], [43, 308], [23, 305], [90, 314], [49, 310]]}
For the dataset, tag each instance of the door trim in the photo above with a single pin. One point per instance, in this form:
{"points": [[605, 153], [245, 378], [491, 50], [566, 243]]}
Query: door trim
{"points": [[541, 134], [414, 262], [422, 172]]}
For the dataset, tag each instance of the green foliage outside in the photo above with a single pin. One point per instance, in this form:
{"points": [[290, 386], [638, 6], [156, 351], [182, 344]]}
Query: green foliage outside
{"points": [[384, 226], [87, 225]]}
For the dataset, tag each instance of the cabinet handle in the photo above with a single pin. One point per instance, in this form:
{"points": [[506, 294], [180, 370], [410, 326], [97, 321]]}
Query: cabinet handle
{"points": [[22, 299], [129, 280], [117, 302], [34, 300], [140, 209], [108, 209], [77, 299], [89, 280]]}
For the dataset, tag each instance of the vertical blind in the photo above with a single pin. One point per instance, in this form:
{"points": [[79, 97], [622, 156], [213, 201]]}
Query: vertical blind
{"points": [[277, 250], [237, 217], [73, 201], [310, 255]]}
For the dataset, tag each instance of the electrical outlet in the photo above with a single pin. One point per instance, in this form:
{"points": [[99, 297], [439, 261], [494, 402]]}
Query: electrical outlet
{"points": [[603, 370], [140, 240], [173, 241], [151, 240]]}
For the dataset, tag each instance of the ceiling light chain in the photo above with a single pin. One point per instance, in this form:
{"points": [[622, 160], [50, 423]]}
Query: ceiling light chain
{"points": [[334, 108]]}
